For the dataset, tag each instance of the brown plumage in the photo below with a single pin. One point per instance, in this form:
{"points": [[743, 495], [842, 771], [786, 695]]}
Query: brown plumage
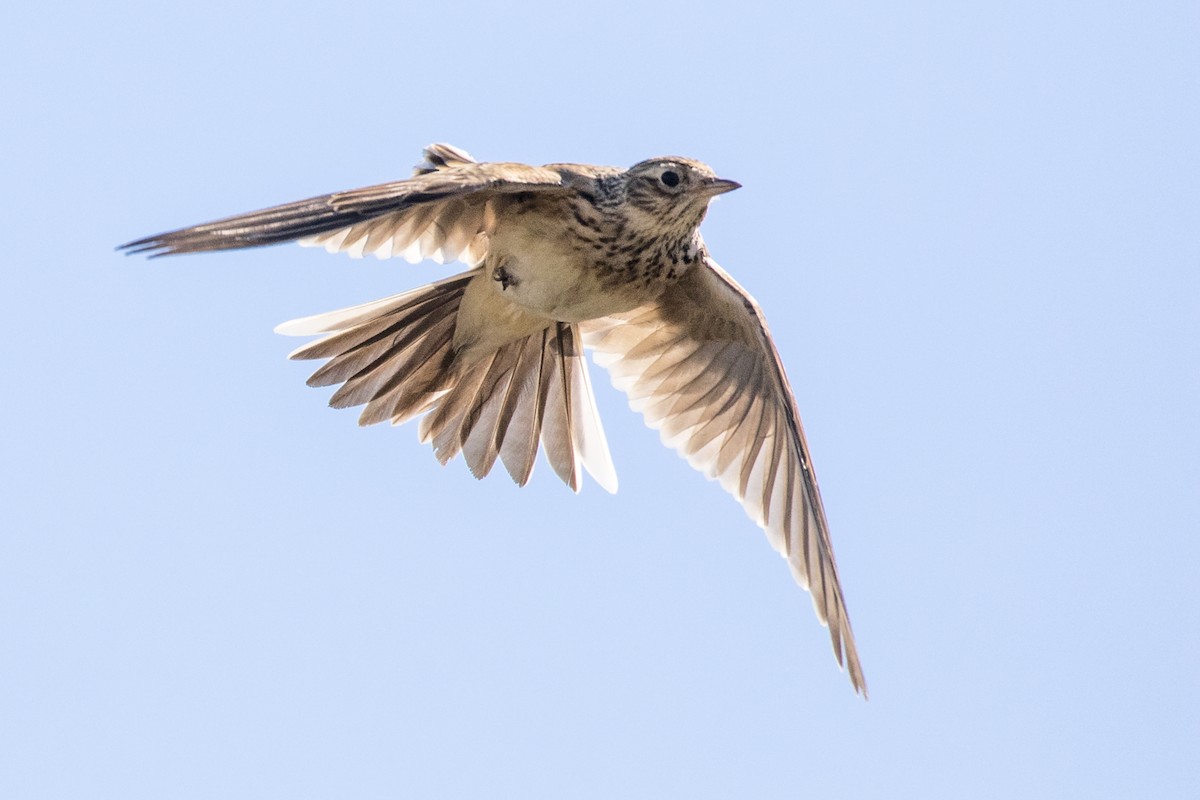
{"points": [[562, 257]]}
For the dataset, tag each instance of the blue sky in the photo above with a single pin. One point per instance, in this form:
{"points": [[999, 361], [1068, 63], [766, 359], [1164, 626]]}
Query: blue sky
{"points": [[974, 230]]}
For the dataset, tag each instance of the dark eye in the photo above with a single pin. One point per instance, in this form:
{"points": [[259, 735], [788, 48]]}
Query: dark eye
{"points": [[670, 178]]}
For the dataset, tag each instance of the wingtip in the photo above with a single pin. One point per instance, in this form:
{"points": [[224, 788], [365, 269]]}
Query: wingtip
{"points": [[858, 682], [847, 658], [133, 248], [150, 247]]}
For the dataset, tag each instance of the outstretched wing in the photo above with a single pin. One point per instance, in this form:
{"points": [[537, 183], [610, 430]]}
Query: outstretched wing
{"points": [[443, 212], [700, 366]]}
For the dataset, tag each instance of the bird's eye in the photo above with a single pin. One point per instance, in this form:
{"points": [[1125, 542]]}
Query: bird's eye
{"points": [[670, 178]]}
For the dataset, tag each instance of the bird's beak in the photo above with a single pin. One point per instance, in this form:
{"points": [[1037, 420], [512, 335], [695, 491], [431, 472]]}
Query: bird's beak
{"points": [[715, 186]]}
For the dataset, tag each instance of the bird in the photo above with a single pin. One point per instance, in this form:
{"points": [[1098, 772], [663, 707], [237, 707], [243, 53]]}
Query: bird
{"points": [[561, 259]]}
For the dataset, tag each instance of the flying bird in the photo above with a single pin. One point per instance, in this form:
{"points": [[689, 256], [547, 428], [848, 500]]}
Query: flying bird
{"points": [[561, 258]]}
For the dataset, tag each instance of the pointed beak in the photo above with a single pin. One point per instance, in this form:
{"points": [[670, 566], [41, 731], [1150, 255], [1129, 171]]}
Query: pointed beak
{"points": [[715, 186]]}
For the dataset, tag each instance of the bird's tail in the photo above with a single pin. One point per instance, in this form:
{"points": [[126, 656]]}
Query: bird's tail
{"points": [[397, 356]]}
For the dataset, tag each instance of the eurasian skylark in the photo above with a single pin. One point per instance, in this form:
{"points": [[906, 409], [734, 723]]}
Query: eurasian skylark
{"points": [[561, 257]]}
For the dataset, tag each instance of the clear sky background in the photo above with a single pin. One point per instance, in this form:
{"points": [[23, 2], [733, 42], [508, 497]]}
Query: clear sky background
{"points": [[974, 228]]}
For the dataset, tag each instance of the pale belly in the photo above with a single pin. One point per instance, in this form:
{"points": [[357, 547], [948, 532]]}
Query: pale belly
{"points": [[533, 277], [545, 277]]}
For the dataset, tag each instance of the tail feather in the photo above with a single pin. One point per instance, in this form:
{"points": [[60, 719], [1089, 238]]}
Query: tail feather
{"points": [[589, 432], [479, 431], [426, 384], [444, 426], [435, 427], [391, 370], [350, 353], [557, 426], [396, 356], [519, 426]]}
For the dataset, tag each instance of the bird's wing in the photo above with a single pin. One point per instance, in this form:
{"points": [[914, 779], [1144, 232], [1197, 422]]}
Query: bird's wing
{"points": [[443, 212], [700, 366]]}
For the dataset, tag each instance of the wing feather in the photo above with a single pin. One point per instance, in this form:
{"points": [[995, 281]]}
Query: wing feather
{"points": [[700, 366], [438, 213]]}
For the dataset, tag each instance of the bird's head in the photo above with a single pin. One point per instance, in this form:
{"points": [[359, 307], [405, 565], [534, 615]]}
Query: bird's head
{"points": [[673, 192]]}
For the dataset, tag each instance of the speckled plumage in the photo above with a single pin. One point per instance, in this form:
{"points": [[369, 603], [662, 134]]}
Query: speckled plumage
{"points": [[561, 257]]}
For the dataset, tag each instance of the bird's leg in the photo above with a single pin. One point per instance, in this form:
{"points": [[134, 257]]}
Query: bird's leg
{"points": [[502, 276]]}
